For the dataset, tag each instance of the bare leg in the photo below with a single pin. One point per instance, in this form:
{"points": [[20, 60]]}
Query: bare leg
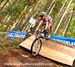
{"points": [[49, 30]]}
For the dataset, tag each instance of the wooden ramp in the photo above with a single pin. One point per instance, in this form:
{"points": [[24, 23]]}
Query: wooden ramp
{"points": [[53, 50]]}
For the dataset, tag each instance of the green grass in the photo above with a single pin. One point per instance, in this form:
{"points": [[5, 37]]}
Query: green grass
{"points": [[2, 29]]}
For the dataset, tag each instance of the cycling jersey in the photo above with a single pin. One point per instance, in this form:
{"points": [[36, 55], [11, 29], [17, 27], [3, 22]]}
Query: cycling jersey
{"points": [[45, 18]]}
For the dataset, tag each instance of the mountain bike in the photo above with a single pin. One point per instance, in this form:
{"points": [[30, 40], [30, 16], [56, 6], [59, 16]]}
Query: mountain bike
{"points": [[37, 43]]}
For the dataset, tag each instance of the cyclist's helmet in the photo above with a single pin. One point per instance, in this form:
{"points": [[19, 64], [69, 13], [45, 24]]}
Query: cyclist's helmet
{"points": [[43, 14]]}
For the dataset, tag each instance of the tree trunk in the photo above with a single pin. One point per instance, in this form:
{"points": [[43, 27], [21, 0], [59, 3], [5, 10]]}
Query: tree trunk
{"points": [[4, 5], [63, 16], [63, 7], [68, 23]]}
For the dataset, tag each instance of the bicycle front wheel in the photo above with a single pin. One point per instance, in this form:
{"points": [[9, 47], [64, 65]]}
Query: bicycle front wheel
{"points": [[36, 46]]}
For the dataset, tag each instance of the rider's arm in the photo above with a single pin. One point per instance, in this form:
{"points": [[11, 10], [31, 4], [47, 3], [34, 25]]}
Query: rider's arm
{"points": [[46, 25]]}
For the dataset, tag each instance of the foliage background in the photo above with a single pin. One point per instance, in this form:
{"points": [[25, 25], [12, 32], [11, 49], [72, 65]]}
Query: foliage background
{"points": [[14, 12]]}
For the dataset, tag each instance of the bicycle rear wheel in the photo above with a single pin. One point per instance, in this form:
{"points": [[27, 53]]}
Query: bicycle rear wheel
{"points": [[36, 46]]}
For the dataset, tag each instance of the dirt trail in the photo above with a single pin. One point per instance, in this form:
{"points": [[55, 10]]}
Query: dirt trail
{"points": [[23, 58]]}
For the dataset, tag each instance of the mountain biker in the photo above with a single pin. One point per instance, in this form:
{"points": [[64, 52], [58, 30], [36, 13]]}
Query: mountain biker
{"points": [[47, 21]]}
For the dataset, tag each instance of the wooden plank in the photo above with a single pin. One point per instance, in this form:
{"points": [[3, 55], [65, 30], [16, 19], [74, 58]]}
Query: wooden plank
{"points": [[28, 42], [53, 50], [59, 47]]}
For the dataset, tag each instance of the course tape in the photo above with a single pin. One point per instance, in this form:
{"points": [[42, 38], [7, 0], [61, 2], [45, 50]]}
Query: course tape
{"points": [[16, 34], [22, 35], [66, 40]]}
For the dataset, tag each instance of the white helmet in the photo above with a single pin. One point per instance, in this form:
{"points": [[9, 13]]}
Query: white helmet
{"points": [[43, 13]]}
